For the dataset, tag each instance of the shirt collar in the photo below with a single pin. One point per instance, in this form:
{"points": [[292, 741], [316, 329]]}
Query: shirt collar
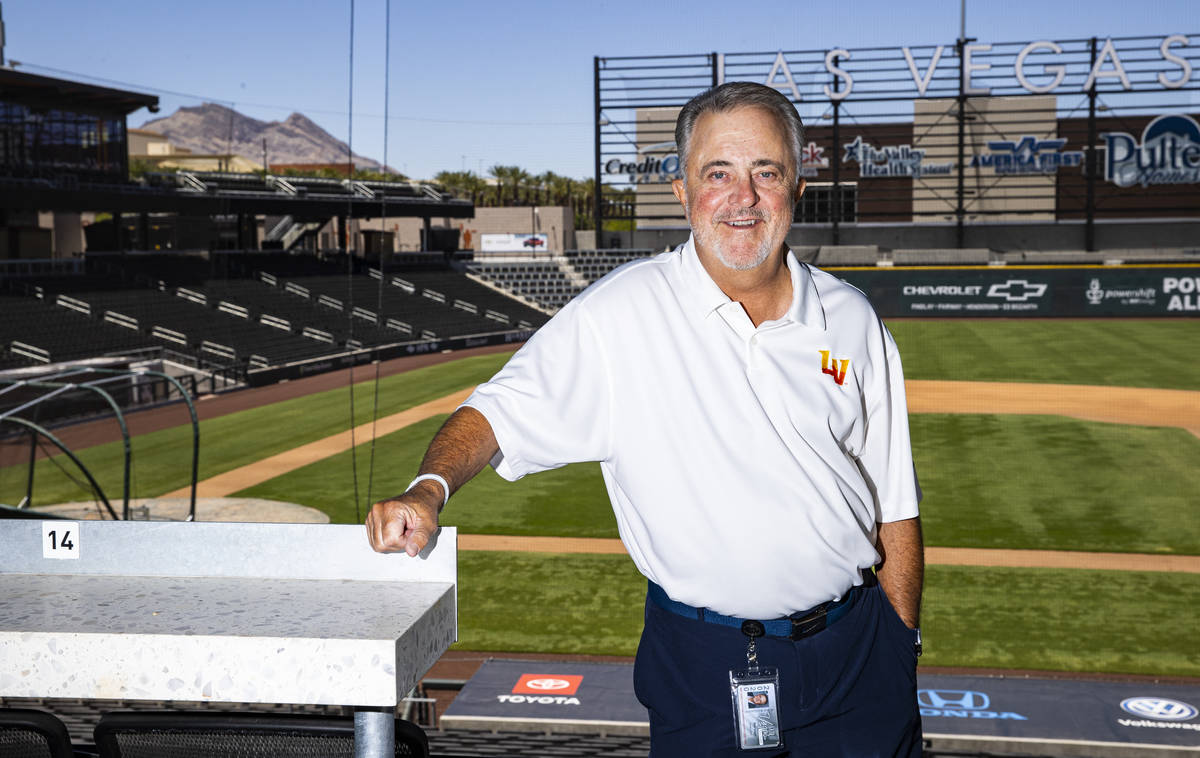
{"points": [[705, 297]]}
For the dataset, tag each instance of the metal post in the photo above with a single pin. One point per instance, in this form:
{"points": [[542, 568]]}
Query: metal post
{"points": [[374, 732], [716, 69], [74, 459], [961, 209], [1089, 228], [837, 163], [28, 501], [596, 122]]}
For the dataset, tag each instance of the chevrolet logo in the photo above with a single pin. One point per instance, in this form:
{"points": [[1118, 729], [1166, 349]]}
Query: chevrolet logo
{"points": [[1017, 290]]}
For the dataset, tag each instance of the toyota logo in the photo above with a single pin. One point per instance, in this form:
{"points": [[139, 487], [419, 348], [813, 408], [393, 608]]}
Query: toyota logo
{"points": [[547, 685], [1159, 708]]}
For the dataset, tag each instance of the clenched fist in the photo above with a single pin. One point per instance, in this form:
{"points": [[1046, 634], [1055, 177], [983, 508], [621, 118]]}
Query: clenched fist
{"points": [[405, 522]]}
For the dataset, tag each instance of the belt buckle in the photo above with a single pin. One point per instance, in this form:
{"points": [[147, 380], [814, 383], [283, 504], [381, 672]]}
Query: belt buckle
{"points": [[809, 625]]}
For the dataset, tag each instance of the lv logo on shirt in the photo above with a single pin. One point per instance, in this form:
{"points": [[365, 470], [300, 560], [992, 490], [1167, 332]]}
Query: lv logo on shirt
{"points": [[835, 367]]}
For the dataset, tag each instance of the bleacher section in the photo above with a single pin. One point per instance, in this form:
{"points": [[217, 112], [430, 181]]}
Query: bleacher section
{"points": [[297, 313], [541, 281], [930, 257], [847, 255], [594, 264], [181, 318], [33, 332], [486, 299], [417, 312], [209, 309]]}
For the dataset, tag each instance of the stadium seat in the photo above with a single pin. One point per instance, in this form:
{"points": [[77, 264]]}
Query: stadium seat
{"points": [[26, 733], [234, 735], [941, 257]]}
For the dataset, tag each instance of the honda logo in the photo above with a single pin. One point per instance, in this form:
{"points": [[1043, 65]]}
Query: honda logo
{"points": [[965, 699]]}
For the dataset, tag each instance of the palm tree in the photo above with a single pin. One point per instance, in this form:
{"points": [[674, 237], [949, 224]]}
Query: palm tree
{"points": [[514, 176]]}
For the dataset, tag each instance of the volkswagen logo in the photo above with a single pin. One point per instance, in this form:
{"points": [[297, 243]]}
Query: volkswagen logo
{"points": [[547, 685], [1159, 708], [942, 699]]}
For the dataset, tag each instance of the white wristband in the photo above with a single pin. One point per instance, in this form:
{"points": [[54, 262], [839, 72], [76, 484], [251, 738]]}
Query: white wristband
{"points": [[436, 478]]}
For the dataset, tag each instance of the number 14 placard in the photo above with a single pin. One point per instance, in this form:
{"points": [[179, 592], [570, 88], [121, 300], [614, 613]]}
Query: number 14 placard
{"points": [[60, 539]]}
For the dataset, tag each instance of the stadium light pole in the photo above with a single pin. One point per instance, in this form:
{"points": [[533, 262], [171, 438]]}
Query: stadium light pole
{"points": [[597, 125]]}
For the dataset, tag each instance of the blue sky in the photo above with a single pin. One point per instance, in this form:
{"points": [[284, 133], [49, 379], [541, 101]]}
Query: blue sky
{"points": [[475, 84]]}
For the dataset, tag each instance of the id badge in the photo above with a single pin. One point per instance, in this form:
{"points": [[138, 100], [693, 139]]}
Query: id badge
{"points": [[756, 708]]}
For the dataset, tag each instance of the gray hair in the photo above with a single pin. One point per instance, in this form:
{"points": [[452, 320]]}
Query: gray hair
{"points": [[733, 95]]}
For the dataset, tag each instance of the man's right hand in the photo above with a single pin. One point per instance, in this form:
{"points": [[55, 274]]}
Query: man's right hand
{"points": [[406, 522]]}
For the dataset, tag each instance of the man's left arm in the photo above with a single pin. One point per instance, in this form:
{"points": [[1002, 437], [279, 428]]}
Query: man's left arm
{"points": [[902, 571]]}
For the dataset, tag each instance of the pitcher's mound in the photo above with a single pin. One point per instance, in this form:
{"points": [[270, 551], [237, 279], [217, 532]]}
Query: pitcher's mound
{"points": [[242, 509]]}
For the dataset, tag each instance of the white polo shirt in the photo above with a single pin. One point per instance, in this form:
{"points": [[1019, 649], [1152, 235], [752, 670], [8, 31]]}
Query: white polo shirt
{"points": [[747, 467]]}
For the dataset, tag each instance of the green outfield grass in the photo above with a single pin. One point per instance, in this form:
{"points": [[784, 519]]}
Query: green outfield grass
{"points": [[1055, 483], [1137, 353], [1062, 620], [162, 460], [566, 502], [1033, 482], [1053, 620]]}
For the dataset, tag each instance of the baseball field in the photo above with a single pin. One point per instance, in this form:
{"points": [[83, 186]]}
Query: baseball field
{"points": [[1060, 462]]}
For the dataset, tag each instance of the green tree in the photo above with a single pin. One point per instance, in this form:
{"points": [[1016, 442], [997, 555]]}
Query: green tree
{"points": [[514, 177]]}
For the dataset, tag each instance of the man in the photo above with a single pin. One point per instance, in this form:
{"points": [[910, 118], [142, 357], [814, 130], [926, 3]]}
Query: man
{"points": [[741, 404]]}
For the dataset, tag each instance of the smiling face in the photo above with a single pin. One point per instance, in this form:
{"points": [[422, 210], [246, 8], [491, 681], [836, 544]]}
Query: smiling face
{"points": [[740, 189]]}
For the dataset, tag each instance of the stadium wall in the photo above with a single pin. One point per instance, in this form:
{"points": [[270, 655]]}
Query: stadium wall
{"points": [[1024, 291], [1010, 236]]}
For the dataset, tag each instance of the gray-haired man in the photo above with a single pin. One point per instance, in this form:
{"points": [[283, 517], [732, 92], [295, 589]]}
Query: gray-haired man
{"points": [[742, 405]]}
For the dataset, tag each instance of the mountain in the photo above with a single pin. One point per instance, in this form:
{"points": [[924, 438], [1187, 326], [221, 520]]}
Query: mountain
{"points": [[216, 129]]}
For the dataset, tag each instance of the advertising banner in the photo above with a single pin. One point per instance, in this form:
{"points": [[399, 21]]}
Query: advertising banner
{"points": [[1169, 153], [513, 243], [572, 695], [1096, 713], [1077, 291], [579, 697]]}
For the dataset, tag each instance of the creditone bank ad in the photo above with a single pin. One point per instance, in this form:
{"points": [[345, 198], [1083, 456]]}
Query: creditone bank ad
{"points": [[1031, 291]]}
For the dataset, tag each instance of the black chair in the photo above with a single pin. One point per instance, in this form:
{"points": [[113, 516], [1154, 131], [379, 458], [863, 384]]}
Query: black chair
{"points": [[235, 735], [27, 733]]}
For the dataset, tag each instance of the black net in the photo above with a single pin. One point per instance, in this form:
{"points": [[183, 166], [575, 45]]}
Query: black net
{"points": [[215, 743], [233, 744], [19, 742]]}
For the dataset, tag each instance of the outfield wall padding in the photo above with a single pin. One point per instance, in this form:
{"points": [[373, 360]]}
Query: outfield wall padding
{"points": [[1040, 291]]}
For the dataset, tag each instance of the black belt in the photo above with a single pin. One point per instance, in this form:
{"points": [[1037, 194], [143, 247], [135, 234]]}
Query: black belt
{"points": [[797, 626]]}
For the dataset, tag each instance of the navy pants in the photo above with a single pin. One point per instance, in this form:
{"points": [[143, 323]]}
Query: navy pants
{"points": [[849, 690]]}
